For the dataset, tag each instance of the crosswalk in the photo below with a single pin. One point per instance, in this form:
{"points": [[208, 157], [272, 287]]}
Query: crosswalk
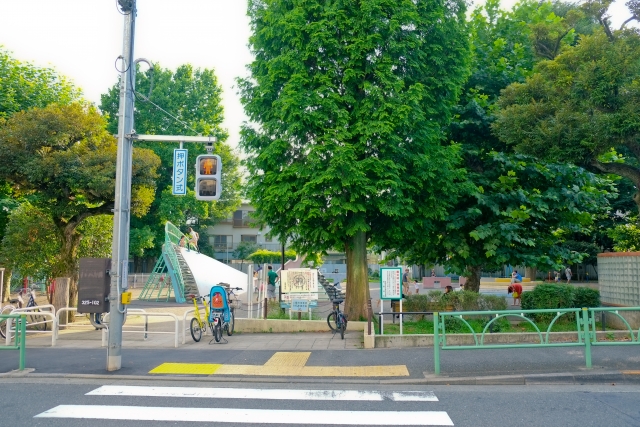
{"points": [[215, 410]]}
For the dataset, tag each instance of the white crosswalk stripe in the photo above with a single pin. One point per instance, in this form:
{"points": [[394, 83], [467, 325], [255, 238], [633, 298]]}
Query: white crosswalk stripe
{"points": [[257, 416], [268, 394]]}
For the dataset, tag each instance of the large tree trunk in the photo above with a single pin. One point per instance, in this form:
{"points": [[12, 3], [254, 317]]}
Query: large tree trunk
{"points": [[6, 285], [355, 306], [473, 281], [68, 264], [61, 296]]}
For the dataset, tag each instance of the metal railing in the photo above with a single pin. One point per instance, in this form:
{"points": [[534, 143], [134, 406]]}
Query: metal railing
{"points": [[49, 317], [145, 330], [21, 336], [585, 330]]}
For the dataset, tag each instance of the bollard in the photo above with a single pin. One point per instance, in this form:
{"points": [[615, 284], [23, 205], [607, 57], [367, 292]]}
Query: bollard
{"points": [[369, 316], [587, 334], [264, 309]]}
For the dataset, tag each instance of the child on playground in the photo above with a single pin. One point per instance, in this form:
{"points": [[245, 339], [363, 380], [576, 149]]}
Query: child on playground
{"points": [[417, 286]]}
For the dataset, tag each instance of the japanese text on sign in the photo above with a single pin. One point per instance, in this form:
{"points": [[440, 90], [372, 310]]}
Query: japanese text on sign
{"points": [[179, 171], [300, 305], [391, 283]]}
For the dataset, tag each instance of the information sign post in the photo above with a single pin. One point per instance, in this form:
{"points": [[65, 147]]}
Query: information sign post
{"points": [[391, 288]]}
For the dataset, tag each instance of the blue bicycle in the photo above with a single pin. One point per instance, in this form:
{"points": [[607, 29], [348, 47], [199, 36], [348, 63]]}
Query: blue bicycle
{"points": [[221, 315]]}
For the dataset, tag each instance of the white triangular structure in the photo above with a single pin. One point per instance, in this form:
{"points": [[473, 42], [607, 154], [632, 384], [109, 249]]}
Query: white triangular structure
{"points": [[208, 272]]}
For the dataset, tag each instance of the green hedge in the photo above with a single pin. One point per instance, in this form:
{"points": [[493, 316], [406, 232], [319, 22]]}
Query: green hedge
{"points": [[559, 296], [459, 301]]}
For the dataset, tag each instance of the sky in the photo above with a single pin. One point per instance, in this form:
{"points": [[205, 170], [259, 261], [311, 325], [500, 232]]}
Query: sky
{"points": [[81, 40]]}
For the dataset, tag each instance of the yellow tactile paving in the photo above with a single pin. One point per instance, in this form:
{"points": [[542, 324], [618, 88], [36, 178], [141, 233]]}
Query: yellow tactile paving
{"points": [[283, 364], [631, 372], [186, 368], [315, 371], [283, 358]]}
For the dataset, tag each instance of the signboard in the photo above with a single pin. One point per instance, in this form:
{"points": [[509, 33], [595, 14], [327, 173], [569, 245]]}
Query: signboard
{"points": [[94, 285], [391, 283], [179, 172], [301, 282], [300, 305]]}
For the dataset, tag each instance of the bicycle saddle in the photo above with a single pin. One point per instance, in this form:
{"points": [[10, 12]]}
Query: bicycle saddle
{"points": [[337, 301], [14, 300]]}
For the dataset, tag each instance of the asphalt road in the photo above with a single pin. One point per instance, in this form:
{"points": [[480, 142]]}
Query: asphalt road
{"points": [[473, 406]]}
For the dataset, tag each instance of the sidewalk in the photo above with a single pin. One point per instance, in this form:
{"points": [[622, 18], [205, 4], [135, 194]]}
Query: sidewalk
{"points": [[307, 356]]}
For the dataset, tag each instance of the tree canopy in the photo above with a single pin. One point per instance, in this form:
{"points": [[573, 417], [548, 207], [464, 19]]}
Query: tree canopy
{"points": [[347, 103], [63, 159], [24, 86], [582, 107], [186, 101]]}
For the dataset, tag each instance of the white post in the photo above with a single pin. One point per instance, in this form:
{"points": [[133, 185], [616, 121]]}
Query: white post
{"points": [[400, 316]]}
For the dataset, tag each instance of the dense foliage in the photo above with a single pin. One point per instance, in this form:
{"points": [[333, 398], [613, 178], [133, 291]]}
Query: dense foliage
{"points": [[347, 102]]}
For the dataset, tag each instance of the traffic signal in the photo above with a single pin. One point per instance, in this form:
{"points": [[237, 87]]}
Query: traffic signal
{"points": [[208, 173]]}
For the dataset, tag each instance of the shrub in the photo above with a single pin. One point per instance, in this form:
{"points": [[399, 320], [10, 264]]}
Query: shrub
{"points": [[586, 297], [558, 296], [435, 300]]}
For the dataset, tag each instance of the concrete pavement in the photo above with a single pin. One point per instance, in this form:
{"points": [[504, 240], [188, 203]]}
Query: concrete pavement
{"points": [[268, 357]]}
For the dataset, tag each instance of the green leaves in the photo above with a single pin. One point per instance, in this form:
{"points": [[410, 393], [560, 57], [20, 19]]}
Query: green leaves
{"points": [[348, 103]]}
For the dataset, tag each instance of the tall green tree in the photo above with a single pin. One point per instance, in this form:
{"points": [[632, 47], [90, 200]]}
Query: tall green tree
{"points": [[63, 158], [186, 101], [583, 106], [24, 86], [347, 102], [510, 212]]}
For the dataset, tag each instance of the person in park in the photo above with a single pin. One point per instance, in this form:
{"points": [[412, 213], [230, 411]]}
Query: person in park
{"points": [[516, 290], [193, 238], [405, 282], [272, 279], [416, 284], [567, 271], [516, 277], [557, 276]]}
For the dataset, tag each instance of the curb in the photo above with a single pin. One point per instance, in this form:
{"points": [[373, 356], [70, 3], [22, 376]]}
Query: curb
{"points": [[566, 378]]}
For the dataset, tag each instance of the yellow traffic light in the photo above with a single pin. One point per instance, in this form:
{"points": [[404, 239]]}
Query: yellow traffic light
{"points": [[208, 177]]}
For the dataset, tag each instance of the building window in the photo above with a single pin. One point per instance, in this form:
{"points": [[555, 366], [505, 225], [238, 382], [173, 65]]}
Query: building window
{"points": [[242, 219], [253, 238], [222, 243], [268, 239]]}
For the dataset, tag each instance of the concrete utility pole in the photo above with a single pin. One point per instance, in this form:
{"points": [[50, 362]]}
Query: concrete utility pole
{"points": [[121, 211]]}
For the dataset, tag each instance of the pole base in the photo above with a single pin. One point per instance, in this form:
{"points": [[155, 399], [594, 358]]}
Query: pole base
{"points": [[114, 363]]}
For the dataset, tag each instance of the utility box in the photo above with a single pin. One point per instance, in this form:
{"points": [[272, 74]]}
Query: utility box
{"points": [[93, 285]]}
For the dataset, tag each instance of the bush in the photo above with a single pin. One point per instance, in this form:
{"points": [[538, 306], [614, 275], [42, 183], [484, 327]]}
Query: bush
{"points": [[586, 297], [459, 301], [558, 296]]}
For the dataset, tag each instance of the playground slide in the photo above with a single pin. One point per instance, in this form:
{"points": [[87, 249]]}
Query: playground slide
{"points": [[208, 272]]}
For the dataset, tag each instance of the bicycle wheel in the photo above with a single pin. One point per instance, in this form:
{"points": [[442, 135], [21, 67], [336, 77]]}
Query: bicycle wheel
{"points": [[217, 332], [342, 328], [196, 330], [3, 322], [231, 325], [332, 321]]}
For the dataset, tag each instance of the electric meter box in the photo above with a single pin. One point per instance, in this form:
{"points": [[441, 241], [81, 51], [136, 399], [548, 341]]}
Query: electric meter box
{"points": [[93, 285]]}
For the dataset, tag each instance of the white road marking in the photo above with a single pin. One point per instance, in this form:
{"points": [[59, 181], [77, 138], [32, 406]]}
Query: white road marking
{"points": [[267, 394], [248, 416]]}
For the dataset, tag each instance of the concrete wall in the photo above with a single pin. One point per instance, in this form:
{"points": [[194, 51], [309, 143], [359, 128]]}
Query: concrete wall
{"points": [[273, 325]]}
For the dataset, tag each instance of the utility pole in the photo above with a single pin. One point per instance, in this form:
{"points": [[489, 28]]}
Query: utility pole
{"points": [[122, 205]]}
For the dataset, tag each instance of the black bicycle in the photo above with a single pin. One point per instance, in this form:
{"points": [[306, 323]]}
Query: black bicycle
{"points": [[337, 320]]}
